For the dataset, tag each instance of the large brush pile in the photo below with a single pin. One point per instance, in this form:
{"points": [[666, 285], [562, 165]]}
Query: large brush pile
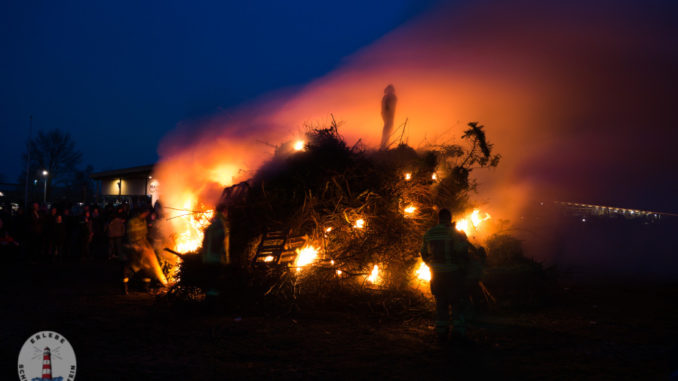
{"points": [[360, 209]]}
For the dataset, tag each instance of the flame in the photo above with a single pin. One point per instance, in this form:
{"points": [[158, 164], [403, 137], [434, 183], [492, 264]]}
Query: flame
{"points": [[462, 226], [305, 256], [329, 229], [191, 228], [359, 223], [434, 177], [410, 209], [476, 219], [269, 258], [223, 174], [471, 220], [423, 272], [374, 275], [408, 176], [299, 145]]}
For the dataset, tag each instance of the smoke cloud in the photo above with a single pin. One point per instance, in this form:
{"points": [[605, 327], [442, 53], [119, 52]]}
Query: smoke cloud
{"points": [[577, 96]]}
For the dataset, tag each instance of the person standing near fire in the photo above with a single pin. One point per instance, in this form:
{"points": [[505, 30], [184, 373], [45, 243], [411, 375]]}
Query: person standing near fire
{"points": [[216, 253], [142, 256], [446, 252]]}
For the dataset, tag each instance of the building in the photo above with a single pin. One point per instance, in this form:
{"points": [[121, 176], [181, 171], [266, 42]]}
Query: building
{"points": [[134, 185]]}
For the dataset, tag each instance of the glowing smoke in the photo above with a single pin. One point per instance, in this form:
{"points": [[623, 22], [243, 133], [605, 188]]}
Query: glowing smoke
{"points": [[577, 97]]}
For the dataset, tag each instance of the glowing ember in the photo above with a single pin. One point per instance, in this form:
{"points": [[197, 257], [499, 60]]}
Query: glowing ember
{"points": [[423, 272], [359, 223], [269, 258], [473, 220], [408, 176], [410, 209], [434, 177], [305, 256], [299, 145], [339, 272], [328, 230], [374, 275], [332, 262]]}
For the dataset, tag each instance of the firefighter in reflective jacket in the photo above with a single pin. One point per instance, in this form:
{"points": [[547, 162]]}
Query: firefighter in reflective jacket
{"points": [[216, 254], [446, 252], [141, 254]]}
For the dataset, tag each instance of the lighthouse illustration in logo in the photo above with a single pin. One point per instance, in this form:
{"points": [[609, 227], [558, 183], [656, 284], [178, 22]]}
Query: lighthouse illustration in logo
{"points": [[47, 365], [47, 356]]}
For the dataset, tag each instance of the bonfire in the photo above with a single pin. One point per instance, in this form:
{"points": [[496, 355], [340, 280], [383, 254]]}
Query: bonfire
{"points": [[322, 216]]}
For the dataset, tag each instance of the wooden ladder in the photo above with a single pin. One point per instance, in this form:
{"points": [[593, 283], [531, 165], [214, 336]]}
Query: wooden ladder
{"points": [[278, 247]]}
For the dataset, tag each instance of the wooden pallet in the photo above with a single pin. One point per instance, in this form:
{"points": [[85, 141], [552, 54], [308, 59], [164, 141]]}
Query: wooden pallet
{"points": [[279, 247]]}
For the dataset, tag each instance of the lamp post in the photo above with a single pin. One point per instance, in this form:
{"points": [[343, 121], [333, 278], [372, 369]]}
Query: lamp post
{"points": [[44, 196]]}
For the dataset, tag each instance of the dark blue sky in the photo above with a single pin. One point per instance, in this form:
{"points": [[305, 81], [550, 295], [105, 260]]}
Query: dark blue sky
{"points": [[118, 76]]}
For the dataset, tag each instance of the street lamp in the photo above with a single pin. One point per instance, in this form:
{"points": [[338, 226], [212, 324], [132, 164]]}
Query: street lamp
{"points": [[44, 197]]}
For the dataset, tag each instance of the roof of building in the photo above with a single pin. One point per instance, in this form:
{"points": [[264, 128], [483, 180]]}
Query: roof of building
{"points": [[140, 171]]}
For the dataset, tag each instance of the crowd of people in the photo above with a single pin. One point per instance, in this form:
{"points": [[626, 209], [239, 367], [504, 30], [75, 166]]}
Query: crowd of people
{"points": [[66, 232]]}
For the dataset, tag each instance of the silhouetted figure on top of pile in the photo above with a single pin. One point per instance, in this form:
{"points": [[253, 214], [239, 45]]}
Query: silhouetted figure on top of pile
{"points": [[388, 106]]}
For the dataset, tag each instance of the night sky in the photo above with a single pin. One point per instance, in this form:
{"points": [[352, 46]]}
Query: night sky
{"points": [[578, 96], [119, 76]]}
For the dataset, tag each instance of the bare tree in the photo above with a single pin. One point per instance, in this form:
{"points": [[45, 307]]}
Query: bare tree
{"points": [[55, 152]]}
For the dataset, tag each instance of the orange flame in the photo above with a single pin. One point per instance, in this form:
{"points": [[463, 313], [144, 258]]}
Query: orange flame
{"points": [[305, 256], [423, 272], [374, 277], [471, 223], [190, 228], [410, 210], [299, 145]]}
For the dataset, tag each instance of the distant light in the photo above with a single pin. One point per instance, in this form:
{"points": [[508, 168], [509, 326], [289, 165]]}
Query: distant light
{"points": [[339, 272], [434, 177], [541, 203], [332, 262], [150, 177], [408, 176], [44, 172], [329, 229], [583, 220], [299, 145], [2, 194]]}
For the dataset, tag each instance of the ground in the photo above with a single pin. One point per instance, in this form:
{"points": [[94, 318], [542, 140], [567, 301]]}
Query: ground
{"points": [[593, 331]]}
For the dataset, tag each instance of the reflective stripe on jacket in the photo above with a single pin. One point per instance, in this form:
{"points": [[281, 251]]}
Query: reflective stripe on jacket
{"points": [[445, 249]]}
